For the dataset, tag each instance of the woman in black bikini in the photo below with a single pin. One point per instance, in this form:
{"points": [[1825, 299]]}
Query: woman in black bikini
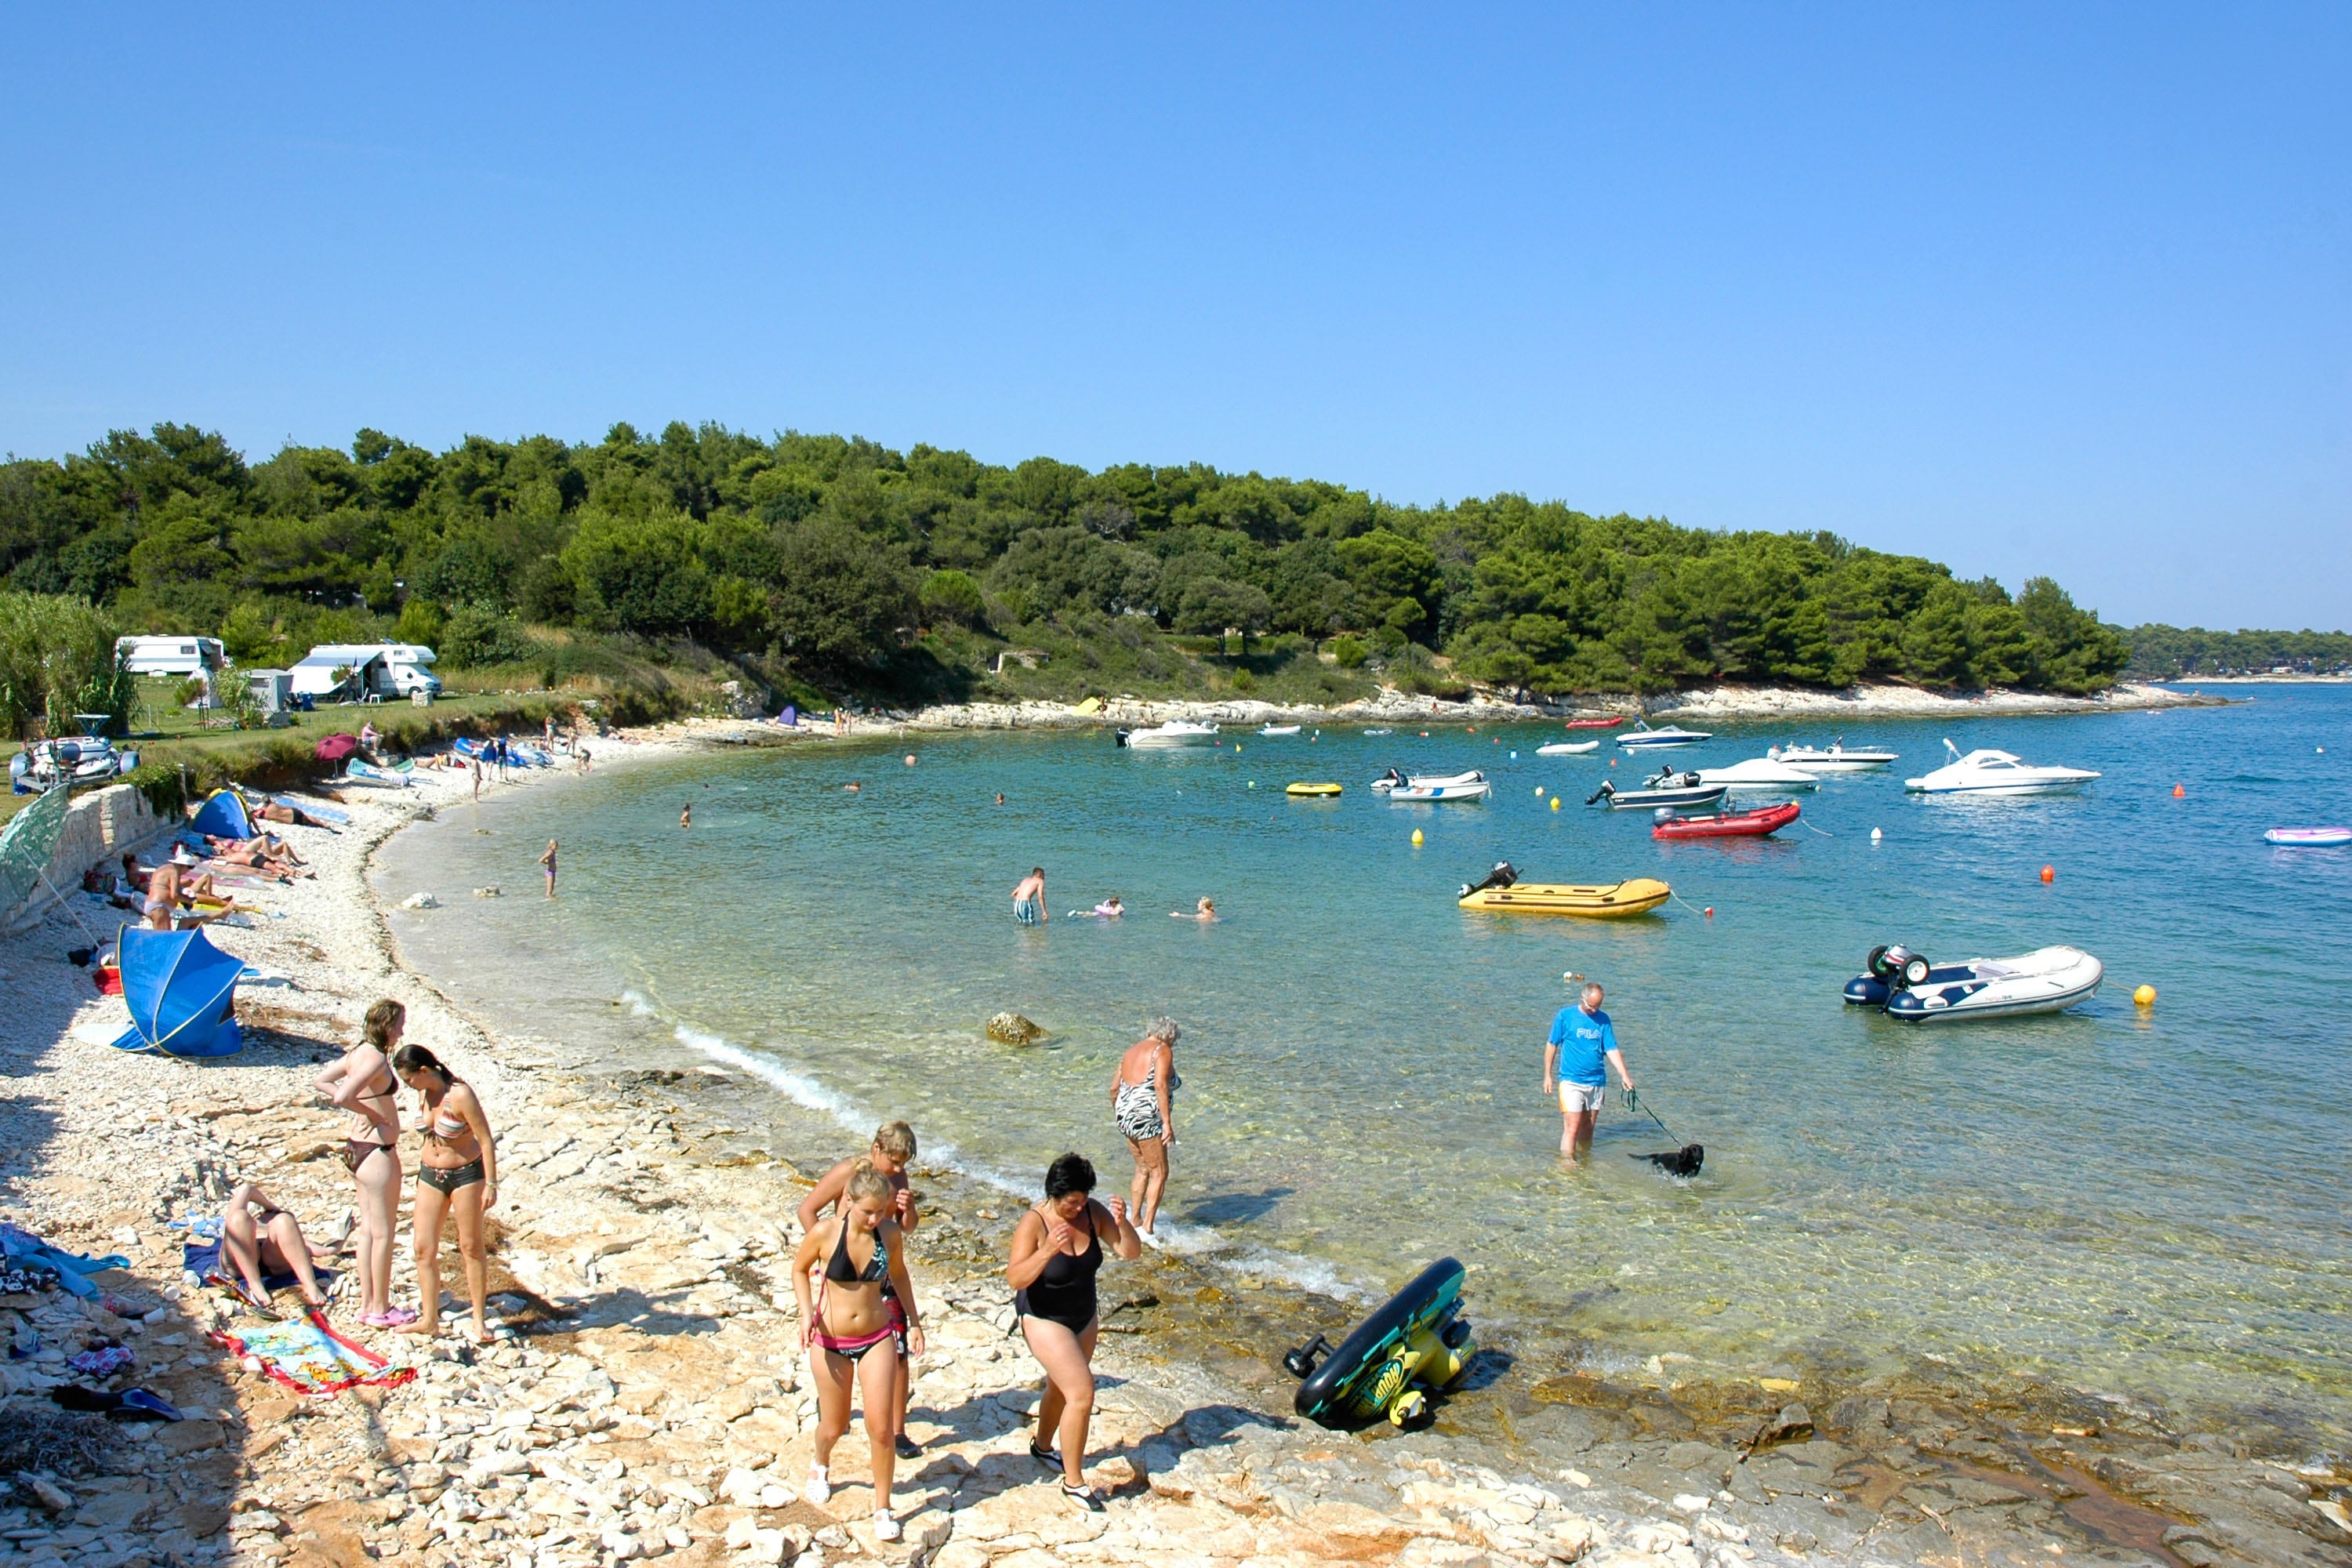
{"points": [[854, 1326], [1058, 1249], [456, 1173], [361, 1083]]}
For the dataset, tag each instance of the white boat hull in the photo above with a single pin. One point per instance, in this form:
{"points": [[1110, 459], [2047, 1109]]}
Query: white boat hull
{"points": [[2047, 980], [1992, 772], [1568, 748], [1478, 790], [1759, 775]]}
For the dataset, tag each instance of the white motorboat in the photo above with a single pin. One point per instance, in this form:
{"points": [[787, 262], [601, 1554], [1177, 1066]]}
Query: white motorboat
{"points": [[43, 764], [1567, 748], [1392, 781], [1908, 986], [1988, 771], [1840, 758], [1279, 730], [1681, 792], [1759, 775], [1642, 738], [1465, 786], [1175, 732]]}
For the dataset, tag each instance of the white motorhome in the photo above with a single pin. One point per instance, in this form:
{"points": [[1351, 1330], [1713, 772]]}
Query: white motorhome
{"points": [[411, 666], [342, 669], [367, 670], [171, 655]]}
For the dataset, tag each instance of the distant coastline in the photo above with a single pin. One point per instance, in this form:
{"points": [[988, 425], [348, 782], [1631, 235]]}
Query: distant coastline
{"points": [[1859, 703], [2294, 680]]}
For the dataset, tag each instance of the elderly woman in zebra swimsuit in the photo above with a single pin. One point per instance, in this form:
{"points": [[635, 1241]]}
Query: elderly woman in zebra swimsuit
{"points": [[1142, 1102]]}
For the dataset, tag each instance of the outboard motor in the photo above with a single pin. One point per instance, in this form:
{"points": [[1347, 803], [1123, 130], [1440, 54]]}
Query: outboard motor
{"points": [[1603, 792], [1664, 813], [1502, 875], [1898, 966], [1118, 737]]}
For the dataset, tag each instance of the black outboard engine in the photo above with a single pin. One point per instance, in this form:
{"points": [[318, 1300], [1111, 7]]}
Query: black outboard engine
{"points": [[1118, 737], [1390, 777], [1603, 792], [1502, 875]]}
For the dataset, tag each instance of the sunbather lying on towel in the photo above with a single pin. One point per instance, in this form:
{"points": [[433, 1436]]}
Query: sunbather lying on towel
{"points": [[261, 852], [282, 811], [258, 1239]]}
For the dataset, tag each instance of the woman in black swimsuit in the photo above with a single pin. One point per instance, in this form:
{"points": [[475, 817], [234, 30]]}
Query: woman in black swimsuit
{"points": [[1057, 1249], [361, 1083]]}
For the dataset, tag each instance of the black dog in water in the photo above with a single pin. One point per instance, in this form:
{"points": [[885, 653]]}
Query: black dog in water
{"points": [[1682, 1162]]}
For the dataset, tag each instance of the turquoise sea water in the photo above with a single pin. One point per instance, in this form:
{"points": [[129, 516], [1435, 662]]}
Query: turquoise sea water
{"points": [[2151, 1202]]}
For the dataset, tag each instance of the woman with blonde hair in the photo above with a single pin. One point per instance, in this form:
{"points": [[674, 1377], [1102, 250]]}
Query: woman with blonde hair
{"points": [[1143, 1104], [853, 1327], [456, 1174], [361, 1082]]}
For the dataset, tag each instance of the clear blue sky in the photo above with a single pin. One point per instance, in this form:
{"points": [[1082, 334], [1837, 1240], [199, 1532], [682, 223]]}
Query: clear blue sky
{"points": [[2060, 289]]}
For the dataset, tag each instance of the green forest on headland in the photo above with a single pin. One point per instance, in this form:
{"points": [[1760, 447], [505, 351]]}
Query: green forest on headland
{"points": [[2165, 653], [833, 567]]}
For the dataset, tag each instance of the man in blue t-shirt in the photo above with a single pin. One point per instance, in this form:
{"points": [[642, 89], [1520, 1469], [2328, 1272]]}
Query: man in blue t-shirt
{"points": [[1581, 1041]]}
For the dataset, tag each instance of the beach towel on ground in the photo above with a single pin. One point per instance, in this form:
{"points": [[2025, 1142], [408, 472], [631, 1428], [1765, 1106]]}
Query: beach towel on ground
{"points": [[204, 1260], [309, 1357], [21, 1245]]}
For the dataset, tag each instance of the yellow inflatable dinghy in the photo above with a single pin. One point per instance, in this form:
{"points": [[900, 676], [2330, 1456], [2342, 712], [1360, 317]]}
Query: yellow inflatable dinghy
{"points": [[1607, 900], [1319, 790]]}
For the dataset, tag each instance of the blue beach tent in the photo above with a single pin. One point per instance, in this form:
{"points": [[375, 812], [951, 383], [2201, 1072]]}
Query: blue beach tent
{"points": [[182, 990], [224, 816]]}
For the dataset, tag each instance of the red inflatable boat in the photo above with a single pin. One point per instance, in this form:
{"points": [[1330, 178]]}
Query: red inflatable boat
{"points": [[1608, 723], [1730, 824]]}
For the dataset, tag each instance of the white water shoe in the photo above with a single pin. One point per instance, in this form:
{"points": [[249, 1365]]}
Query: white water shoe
{"points": [[885, 1527], [819, 1485]]}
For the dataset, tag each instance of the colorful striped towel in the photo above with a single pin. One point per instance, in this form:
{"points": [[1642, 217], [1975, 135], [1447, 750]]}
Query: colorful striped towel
{"points": [[309, 1357]]}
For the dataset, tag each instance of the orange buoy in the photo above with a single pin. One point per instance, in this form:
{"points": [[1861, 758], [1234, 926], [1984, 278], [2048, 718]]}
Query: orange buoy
{"points": [[2049, 873], [2178, 791], [1710, 912]]}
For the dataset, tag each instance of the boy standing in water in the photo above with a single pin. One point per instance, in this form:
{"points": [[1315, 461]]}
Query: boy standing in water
{"points": [[1581, 1039], [892, 1153]]}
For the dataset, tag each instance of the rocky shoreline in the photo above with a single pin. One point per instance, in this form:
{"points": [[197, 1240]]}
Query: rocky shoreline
{"points": [[650, 1401], [1855, 705]]}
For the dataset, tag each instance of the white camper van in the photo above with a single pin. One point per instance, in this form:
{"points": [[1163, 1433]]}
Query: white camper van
{"points": [[171, 655], [368, 669]]}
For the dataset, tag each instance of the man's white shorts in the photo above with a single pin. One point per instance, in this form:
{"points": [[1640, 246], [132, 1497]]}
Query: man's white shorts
{"points": [[1576, 1096]]}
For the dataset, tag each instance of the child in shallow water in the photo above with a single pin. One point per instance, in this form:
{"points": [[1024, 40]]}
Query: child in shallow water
{"points": [[1204, 911], [1111, 909]]}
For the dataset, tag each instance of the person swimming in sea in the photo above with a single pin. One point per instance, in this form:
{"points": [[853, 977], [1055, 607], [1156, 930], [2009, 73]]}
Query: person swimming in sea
{"points": [[1205, 912], [1111, 909]]}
